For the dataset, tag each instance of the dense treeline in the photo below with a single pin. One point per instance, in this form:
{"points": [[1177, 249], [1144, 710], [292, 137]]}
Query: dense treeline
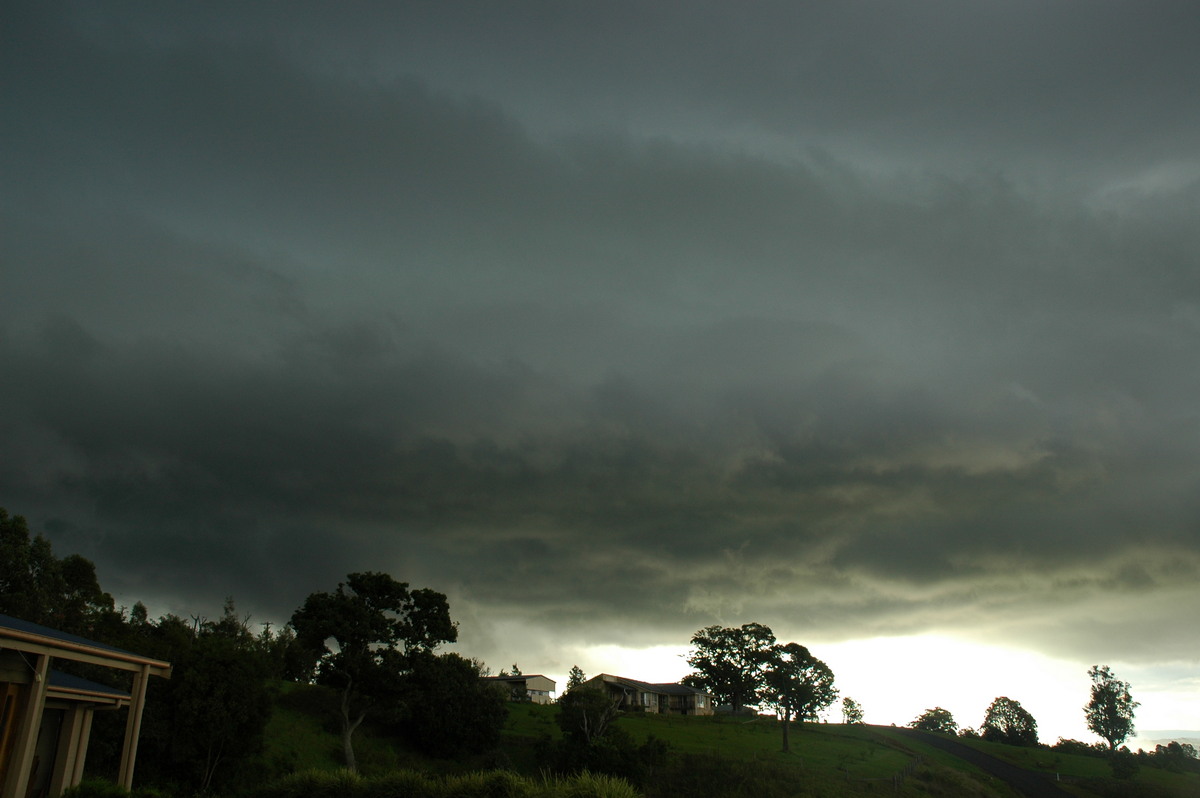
{"points": [[369, 645], [203, 727]]}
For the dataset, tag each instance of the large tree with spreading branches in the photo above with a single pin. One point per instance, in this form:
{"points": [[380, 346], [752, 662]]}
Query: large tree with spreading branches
{"points": [[731, 662], [797, 685], [376, 623]]}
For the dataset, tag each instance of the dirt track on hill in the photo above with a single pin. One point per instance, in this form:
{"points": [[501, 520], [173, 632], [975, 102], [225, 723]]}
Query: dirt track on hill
{"points": [[1026, 782]]}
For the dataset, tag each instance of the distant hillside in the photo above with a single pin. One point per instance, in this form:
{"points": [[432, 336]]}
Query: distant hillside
{"points": [[712, 757], [1150, 738]]}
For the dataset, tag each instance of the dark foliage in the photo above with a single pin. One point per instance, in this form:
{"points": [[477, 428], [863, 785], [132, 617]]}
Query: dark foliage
{"points": [[377, 623], [614, 754], [731, 662], [935, 720], [1109, 712], [203, 724], [1123, 763], [1078, 748], [690, 775], [1008, 722], [448, 710], [797, 685], [63, 594], [1174, 756], [585, 714]]}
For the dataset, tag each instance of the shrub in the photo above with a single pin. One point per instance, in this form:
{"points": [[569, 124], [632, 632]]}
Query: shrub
{"points": [[1124, 764], [413, 784], [99, 788], [401, 784], [592, 785], [313, 784], [489, 784]]}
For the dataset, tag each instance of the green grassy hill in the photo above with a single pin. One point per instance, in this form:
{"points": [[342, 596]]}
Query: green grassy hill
{"points": [[719, 756]]}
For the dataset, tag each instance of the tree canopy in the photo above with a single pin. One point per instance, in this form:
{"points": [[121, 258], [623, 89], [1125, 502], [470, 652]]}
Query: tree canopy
{"points": [[730, 662], [935, 720], [376, 623], [1007, 721], [586, 713], [852, 711], [796, 684], [38, 587], [217, 706], [1110, 711], [449, 710]]}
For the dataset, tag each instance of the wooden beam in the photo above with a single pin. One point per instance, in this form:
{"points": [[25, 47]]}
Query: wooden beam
{"points": [[16, 782], [133, 726]]}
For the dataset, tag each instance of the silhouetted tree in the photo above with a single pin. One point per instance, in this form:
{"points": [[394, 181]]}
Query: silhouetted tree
{"points": [[449, 710], [1110, 711], [1174, 756], [220, 704], [63, 594], [376, 622], [1123, 763], [730, 662], [797, 684], [586, 713], [852, 711], [935, 720], [575, 678], [1007, 721], [208, 718]]}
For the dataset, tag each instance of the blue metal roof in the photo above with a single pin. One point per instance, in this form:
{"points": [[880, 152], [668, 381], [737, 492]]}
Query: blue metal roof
{"points": [[67, 681], [18, 625]]}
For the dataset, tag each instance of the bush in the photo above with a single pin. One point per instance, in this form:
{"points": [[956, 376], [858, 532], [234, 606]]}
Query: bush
{"points": [[690, 775], [99, 788], [1124, 764], [313, 784], [1077, 748], [614, 754], [401, 784], [594, 785], [489, 784], [412, 784]]}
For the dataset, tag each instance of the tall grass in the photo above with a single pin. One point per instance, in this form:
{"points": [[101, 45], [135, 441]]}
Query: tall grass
{"points": [[414, 784]]}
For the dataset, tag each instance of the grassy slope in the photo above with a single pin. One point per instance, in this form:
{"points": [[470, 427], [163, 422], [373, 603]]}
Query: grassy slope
{"points": [[828, 758], [1076, 770]]}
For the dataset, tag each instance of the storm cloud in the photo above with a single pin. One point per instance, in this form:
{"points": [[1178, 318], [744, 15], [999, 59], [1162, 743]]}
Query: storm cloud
{"points": [[852, 319]]}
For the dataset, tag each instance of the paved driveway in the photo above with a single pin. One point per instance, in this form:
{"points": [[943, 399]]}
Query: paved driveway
{"points": [[1026, 782]]}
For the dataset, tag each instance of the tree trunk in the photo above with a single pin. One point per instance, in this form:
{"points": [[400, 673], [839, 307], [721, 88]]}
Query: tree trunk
{"points": [[348, 727], [787, 716], [211, 760]]}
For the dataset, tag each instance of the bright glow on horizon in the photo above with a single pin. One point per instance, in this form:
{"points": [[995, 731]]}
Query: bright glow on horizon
{"points": [[897, 678]]}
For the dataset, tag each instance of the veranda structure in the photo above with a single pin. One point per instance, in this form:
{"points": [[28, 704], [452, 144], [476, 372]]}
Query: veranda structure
{"points": [[46, 715]]}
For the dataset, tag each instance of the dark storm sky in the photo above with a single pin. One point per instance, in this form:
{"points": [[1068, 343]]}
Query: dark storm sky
{"points": [[615, 320]]}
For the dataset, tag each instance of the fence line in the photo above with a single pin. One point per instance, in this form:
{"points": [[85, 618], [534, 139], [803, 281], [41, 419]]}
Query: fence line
{"points": [[897, 778]]}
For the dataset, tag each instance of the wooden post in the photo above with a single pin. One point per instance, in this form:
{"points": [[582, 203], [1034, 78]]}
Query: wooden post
{"points": [[133, 726], [85, 735], [16, 781]]}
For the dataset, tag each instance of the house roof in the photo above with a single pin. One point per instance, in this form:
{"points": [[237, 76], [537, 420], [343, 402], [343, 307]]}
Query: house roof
{"points": [[521, 677], [69, 683], [666, 688], [68, 646]]}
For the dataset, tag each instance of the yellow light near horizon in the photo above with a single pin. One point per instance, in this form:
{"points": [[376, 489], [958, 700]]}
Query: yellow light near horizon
{"points": [[895, 679]]}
